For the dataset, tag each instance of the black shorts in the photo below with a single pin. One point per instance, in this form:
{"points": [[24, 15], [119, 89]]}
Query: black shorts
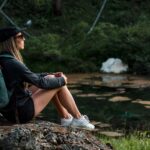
{"points": [[25, 112]]}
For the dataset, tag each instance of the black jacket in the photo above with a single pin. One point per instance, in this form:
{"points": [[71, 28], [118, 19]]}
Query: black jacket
{"points": [[16, 73]]}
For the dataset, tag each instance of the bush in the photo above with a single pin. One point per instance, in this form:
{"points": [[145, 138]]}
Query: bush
{"points": [[101, 43], [136, 47], [44, 48], [80, 52], [122, 32], [131, 44]]}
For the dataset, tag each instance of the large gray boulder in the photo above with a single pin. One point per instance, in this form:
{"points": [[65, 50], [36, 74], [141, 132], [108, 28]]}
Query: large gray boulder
{"points": [[43, 135]]}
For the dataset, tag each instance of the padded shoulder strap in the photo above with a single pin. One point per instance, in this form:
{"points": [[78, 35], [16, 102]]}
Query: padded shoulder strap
{"points": [[6, 56]]}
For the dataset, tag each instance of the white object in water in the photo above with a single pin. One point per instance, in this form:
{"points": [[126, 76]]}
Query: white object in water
{"points": [[113, 65]]}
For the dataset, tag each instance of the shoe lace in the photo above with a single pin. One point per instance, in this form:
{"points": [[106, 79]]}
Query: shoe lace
{"points": [[87, 118]]}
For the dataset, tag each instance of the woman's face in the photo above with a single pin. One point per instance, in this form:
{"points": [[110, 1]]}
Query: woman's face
{"points": [[19, 39]]}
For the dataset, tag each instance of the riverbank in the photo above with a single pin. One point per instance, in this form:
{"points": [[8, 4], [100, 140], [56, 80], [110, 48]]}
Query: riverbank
{"points": [[118, 103]]}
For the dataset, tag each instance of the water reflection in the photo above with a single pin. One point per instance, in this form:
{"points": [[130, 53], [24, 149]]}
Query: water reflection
{"points": [[110, 98], [113, 80], [109, 80]]}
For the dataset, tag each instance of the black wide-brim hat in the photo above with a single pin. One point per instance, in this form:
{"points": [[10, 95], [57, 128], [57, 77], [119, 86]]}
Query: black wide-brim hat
{"points": [[6, 33]]}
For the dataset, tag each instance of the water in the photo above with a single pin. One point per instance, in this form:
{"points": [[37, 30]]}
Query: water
{"points": [[122, 101]]}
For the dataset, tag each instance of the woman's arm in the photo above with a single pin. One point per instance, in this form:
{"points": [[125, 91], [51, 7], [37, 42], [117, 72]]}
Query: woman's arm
{"points": [[40, 81]]}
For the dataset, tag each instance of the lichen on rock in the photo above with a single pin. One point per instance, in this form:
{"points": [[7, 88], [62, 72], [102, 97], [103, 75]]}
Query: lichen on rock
{"points": [[44, 135]]}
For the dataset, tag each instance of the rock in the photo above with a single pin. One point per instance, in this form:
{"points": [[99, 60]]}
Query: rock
{"points": [[43, 135], [111, 134], [113, 65], [119, 99]]}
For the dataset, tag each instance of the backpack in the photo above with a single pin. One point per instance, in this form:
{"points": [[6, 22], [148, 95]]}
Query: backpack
{"points": [[4, 93]]}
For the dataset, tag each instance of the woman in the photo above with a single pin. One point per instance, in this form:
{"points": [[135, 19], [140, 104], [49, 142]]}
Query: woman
{"points": [[26, 103]]}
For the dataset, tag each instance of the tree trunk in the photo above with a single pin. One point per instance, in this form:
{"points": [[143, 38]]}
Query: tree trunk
{"points": [[57, 7]]}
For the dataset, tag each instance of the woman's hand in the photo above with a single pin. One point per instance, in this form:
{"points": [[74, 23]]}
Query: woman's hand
{"points": [[57, 74], [60, 74]]}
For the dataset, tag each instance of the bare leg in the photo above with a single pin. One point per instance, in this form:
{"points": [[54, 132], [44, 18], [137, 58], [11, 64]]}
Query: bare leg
{"points": [[63, 97], [42, 97], [63, 113], [68, 102]]}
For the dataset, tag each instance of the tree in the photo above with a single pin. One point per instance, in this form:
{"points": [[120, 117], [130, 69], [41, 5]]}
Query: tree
{"points": [[57, 7]]}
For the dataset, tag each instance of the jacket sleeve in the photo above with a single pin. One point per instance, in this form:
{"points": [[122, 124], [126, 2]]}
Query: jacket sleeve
{"points": [[43, 74], [38, 80]]}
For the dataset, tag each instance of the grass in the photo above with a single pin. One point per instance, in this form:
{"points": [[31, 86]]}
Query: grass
{"points": [[132, 142]]}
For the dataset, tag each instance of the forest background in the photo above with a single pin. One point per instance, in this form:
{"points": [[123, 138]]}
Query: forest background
{"points": [[59, 39]]}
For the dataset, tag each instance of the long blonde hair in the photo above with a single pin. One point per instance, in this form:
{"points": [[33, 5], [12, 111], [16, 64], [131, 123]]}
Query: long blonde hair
{"points": [[10, 45]]}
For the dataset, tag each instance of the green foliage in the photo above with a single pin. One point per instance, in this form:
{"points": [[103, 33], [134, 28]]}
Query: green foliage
{"points": [[131, 44], [136, 46], [123, 31], [38, 2], [42, 48], [43, 44], [133, 142], [74, 40], [21, 10], [97, 45]]}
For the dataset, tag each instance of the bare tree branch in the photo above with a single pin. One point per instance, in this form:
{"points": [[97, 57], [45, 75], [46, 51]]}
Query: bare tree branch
{"points": [[8, 18], [3, 4]]}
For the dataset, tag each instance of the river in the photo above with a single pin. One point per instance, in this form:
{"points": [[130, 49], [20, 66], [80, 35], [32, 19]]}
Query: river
{"points": [[120, 100]]}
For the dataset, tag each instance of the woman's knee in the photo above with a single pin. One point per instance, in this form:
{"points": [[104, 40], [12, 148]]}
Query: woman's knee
{"points": [[63, 88]]}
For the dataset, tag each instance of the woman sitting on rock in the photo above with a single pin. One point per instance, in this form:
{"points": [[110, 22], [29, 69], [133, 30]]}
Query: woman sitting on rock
{"points": [[27, 102]]}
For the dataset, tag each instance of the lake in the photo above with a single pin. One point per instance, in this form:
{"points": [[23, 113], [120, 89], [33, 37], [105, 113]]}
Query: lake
{"points": [[121, 101]]}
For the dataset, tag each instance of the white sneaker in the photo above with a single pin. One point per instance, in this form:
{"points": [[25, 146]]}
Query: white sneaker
{"points": [[66, 122], [82, 122]]}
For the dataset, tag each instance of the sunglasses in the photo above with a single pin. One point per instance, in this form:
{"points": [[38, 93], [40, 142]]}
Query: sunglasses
{"points": [[21, 36]]}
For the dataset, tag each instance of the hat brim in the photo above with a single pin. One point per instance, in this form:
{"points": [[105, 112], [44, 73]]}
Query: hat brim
{"points": [[9, 32]]}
